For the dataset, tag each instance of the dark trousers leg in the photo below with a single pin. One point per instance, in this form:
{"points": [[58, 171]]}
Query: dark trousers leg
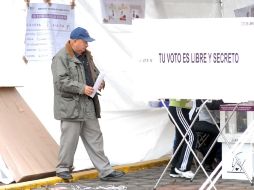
{"points": [[212, 130], [184, 157]]}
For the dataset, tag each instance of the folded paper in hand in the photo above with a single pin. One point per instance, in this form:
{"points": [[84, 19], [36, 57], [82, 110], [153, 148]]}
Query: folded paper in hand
{"points": [[97, 84]]}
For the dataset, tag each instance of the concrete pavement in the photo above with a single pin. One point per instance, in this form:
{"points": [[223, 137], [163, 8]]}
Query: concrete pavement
{"points": [[139, 176]]}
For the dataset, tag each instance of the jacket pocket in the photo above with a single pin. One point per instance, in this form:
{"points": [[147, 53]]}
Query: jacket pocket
{"points": [[69, 108]]}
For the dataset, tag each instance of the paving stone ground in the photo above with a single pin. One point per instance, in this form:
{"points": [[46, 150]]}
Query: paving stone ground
{"points": [[146, 180]]}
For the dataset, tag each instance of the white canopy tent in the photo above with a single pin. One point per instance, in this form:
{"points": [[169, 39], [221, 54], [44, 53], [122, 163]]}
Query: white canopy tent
{"points": [[132, 130]]}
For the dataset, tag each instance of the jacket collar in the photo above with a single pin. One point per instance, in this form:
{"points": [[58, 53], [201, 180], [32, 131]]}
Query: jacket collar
{"points": [[70, 52], [69, 49]]}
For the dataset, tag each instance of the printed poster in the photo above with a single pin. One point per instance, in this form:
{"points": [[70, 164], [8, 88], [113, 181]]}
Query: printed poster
{"points": [[47, 29], [245, 11], [122, 11]]}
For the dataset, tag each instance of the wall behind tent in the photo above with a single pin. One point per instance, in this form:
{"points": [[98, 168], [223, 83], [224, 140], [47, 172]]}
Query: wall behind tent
{"points": [[141, 132]]}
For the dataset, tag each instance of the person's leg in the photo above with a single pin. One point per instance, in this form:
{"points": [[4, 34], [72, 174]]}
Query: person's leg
{"points": [[181, 164], [212, 131], [201, 127], [206, 127], [177, 140], [218, 156], [93, 141], [186, 157], [68, 145]]}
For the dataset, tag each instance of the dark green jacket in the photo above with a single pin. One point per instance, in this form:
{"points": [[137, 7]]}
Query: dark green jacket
{"points": [[69, 82]]}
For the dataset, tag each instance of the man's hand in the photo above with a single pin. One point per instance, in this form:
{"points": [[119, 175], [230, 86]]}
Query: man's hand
{"points": [[88, 90]]}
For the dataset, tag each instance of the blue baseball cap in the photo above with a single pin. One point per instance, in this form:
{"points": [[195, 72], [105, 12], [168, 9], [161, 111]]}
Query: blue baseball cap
{"points": [[81, 33]]}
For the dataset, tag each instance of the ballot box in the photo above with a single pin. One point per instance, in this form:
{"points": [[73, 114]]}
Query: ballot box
{"points": [[236, 164]]}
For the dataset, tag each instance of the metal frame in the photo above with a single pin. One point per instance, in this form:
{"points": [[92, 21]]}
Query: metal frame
{"points": [[217, 173], [184, 139], [212, 179]]}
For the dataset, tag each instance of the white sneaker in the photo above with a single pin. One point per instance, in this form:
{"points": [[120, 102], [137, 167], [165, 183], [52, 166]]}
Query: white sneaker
{"points": [[174, 175], [186, 174]]}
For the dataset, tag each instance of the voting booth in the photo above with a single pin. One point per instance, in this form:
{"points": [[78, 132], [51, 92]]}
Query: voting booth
{"points": [[193, 64], [234, 128]]}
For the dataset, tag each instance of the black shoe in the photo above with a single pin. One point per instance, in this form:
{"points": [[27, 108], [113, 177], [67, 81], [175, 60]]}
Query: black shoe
{"points": [[112, 176], [208, 168], [64, 175]]}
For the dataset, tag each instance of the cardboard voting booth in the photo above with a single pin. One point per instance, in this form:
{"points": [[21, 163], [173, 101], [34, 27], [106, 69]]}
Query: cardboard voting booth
{"points": [[26, 147], [241, 119]]}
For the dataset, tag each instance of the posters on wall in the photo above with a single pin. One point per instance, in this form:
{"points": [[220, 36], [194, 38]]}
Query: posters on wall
{"points": [[47, 28], [122, 11], [245, 11]]}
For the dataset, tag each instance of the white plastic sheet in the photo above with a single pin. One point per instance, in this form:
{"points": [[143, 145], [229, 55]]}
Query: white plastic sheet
{"points": [[5, 173]]}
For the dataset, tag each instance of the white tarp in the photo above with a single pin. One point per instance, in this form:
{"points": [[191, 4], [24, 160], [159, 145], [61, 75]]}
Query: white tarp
{"points": [[12, 33], [6, 176], [131, 124], [132, 130]]}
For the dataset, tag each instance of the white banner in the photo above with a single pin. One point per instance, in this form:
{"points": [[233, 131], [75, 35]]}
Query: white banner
{"points": [[47, 29], [193, 58]]}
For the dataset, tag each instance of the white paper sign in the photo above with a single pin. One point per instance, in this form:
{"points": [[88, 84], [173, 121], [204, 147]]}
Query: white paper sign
{"points": [[97, 84], [193, 58], [47, 29]]}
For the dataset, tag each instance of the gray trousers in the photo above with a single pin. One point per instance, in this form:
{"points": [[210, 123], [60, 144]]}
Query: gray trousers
{"points": [[91, 135]]}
